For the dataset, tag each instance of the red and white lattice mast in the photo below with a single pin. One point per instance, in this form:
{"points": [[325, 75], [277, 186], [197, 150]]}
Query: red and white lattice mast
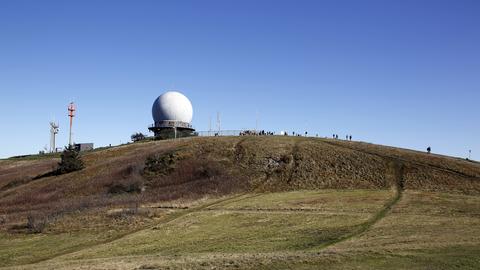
{"points": [[71, 114]]}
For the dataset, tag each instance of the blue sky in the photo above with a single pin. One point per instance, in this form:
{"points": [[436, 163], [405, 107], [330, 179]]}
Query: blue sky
{"points": [[403, 73]]}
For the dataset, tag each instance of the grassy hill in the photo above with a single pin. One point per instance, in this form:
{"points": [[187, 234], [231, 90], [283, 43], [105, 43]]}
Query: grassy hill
{"points": [[242, 202]]}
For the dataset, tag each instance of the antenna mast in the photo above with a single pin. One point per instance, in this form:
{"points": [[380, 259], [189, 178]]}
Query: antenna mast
{"points": [[71, 114], [210, 123], [218, 122], [53, 133]]}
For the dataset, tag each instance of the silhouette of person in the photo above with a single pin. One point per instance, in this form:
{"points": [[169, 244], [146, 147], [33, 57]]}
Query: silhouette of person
{"points": [[350, 137], [429, 149]]}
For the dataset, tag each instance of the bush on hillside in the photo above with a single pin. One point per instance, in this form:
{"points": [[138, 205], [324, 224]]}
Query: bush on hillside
{"points": [[160, 164], [138, 137], [70, 162]]}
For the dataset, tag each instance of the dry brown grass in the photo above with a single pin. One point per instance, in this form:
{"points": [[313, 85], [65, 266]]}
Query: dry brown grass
{"points": [[209, 167], [15, 173]]}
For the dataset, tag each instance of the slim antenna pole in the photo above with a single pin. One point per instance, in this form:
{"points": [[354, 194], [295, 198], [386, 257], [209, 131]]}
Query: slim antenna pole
{"points": [[53, 132], [51, 138], [209, 125], [71, 114]]}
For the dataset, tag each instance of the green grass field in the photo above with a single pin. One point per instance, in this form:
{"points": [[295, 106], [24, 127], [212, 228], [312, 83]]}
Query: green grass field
{"points": [[278, 230]]}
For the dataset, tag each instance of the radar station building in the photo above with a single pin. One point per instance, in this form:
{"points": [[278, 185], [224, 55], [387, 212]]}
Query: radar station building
{"points": [[172, 114]]}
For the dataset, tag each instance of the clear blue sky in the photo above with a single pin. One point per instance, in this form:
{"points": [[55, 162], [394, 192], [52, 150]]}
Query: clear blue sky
{"points": [[404, 73]]}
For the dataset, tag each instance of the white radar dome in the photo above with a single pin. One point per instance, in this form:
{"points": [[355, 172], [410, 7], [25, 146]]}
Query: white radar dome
{"points": [[172, 106]]}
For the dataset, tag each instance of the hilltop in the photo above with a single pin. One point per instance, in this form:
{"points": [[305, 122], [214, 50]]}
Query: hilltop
{"points": [[241, 202]]}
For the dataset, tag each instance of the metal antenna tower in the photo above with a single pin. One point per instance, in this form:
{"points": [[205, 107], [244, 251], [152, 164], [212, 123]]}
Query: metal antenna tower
{"points": [[71, 114], [218, 122], [210, 123], [53, 132]]}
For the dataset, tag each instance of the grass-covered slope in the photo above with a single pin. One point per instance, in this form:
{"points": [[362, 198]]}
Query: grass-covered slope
{"points": [[288, 230], [246, 202]]}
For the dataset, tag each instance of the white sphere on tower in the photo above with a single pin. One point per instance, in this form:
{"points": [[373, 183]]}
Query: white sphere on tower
{"points": [[172, 106]]}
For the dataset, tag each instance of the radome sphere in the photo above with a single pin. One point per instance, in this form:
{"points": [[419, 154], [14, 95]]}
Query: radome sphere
{"points": [[172, 106]]}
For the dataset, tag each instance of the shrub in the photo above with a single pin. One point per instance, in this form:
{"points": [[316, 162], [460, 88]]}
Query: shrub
{"points": [[160, 164], [70, 162], [137, 137]]}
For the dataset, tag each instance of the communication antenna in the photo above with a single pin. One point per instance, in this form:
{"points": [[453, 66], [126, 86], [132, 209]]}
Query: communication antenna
{"points": [[469, 154], [71, 114], [54, 127], [210, 123], [218, 122]]}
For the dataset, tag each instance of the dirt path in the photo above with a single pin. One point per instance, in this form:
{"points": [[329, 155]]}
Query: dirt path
{"points": [[396, 172], [280, 210]]}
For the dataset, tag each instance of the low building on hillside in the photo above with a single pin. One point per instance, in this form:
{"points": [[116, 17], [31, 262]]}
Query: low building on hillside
{"points": [[83, 147]]}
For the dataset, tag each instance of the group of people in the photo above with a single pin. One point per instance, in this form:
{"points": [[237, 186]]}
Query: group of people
{"points": [[269, 133], [284, 133], [347, 137], [256, 133]]}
